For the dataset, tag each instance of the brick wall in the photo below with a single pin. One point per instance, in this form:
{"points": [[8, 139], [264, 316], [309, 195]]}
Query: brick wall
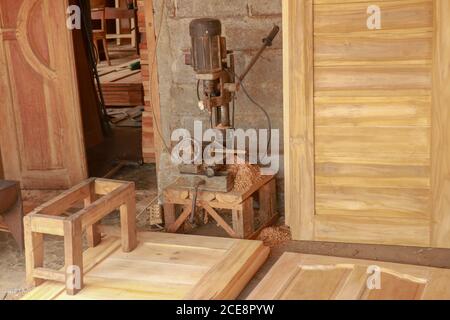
{"points": [[245, 23]]}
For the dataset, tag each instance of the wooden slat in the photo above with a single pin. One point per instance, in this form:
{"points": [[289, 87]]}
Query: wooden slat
{"points": [[375, 230], [440, 152], [352, 17], [299, 116], [373, 202], [372, 49], [350, 79], [373, 111]]}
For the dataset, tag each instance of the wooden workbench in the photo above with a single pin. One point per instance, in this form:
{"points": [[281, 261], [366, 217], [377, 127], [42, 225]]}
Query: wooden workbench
{"points": [[164, 266]]}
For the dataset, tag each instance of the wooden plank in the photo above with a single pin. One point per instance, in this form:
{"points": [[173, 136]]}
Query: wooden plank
{"points": [[299, 117], [350, 79], [319, 277], [373, 202], [179, 265], [373, 111], [374, 230], [368, 145], [47, 224], [440, 152], [228, 277], [371, 49], [73, 256], [152, 149], [408, 15]]}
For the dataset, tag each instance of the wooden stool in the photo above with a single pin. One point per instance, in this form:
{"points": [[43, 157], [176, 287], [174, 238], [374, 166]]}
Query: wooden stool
{"points": [[100, 197], [11, 211], [239, 203]]}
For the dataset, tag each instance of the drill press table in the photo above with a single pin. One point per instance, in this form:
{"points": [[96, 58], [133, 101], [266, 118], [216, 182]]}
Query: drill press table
{"points": [[240, 203]]}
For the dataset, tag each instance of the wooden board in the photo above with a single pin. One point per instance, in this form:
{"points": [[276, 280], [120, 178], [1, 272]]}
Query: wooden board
{"points": [[121, 86], [366, 136], [41, 131], [164, 266], [308, 277]]}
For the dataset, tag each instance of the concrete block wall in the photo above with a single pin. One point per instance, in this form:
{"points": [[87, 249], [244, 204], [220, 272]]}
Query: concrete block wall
{"points": [[245, 23]]}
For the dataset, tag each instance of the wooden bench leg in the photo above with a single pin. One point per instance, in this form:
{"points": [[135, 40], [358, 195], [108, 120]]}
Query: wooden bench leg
{"points": [[267, 201], [128, 225], [93, 234], [34, 253], [174, 227], [243, 220], [169, 213], [73, 251]]}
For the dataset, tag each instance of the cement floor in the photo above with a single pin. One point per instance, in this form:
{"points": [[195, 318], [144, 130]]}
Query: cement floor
{"points": [[12, 265]]}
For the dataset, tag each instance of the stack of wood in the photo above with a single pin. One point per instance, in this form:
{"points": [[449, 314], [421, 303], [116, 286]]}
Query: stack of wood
{"points": [[122, 87], [148, 138]]}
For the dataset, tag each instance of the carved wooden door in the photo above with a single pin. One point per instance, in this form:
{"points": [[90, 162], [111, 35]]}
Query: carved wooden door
{"points": [[41, 135]]}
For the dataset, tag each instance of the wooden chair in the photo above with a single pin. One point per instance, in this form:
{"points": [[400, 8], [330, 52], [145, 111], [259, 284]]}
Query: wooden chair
{"points": [[100, 34]]}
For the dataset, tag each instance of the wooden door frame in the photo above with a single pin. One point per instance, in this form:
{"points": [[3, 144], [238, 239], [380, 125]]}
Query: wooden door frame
{"points": [[298, 54]]}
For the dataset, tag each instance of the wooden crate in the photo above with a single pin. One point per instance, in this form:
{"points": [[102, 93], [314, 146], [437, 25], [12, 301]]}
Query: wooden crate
{"points": [[240, 204], [366, 138], [307, 277], [164, 267], [100, 197], [122, 87]]}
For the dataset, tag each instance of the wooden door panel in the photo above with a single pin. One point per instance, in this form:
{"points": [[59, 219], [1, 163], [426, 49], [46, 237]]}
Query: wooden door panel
{"points": [[42, 132], [370, 136], [308, 277], [333, 17]]}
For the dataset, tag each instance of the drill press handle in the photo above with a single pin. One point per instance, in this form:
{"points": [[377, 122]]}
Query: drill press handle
{"points": [[267, 42]]}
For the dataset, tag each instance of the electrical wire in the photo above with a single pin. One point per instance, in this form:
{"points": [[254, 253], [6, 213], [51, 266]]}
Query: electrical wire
{"points": [[252, 100]]}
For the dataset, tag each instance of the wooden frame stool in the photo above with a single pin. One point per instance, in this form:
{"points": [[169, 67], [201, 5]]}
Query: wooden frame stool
{"points": [[239, 203], [99, 197]]}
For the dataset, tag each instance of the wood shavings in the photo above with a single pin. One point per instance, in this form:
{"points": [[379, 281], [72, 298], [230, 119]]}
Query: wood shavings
{"points": [[245, 175], [275, 236]]}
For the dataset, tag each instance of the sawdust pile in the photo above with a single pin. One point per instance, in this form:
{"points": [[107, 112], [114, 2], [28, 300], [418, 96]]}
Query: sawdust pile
{"points": [[244, 175], [275, 236]]}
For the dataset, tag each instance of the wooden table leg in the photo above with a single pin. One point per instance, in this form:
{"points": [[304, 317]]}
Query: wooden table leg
{"points": [[34, 253], [243, 220], [73, 251], [128, 225], [169, 213], [93, 234]]}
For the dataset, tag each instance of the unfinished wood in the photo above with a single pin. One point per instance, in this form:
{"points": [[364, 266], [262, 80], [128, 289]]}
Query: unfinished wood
{"points": [[182, 267], [379, 143], [299, 116], [71, 228], [397, 16], [73, 256], [308, 277], [440, 153], [238, 203], [122, 87], [152, 143], [42, 143]]}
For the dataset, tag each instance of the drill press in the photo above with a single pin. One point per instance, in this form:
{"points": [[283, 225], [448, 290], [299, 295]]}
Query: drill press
{"points": [[214, 66]]}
